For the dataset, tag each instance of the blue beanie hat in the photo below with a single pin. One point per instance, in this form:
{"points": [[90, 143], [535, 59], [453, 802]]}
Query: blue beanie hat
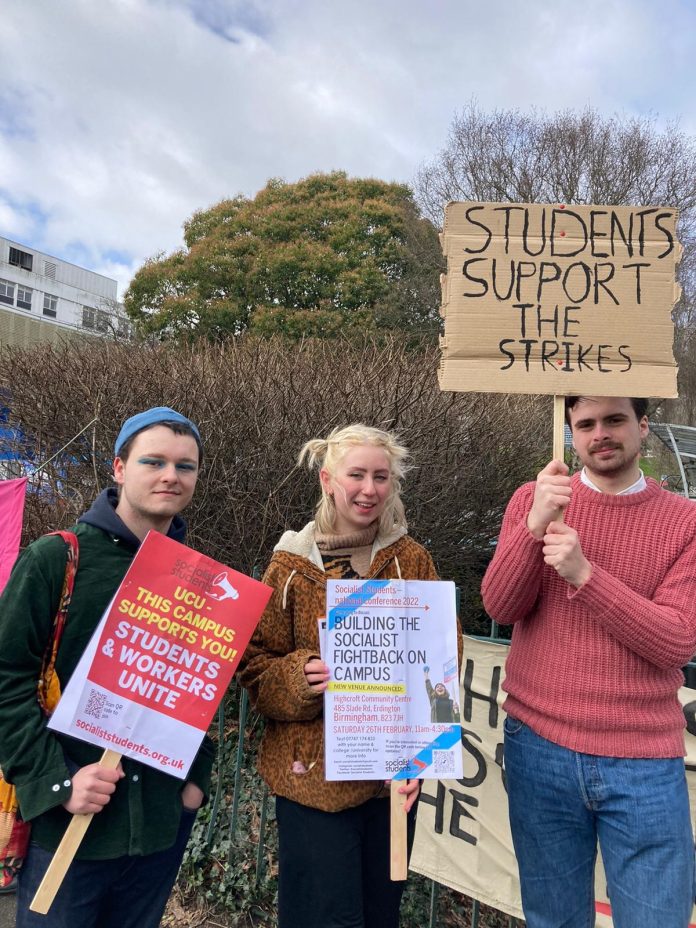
{"points": [[154, 416]]}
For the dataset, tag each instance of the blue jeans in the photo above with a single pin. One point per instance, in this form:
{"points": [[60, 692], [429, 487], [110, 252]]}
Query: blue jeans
{"points": [[128, 892], [563, 802]]}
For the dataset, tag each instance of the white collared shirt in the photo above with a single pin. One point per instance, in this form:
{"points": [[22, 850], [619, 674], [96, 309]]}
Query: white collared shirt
{"points": [[636, 487]]}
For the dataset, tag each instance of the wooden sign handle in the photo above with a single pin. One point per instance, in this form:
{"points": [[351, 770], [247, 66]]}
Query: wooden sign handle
{"points": [[398, 864], [559, 436], [558, 428], [66, 850]]}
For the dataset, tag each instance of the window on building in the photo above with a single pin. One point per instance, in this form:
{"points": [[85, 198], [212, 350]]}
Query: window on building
{"points": [[21, 258], [24, 297], [95, 319], [124, 328], [50, 305], [7, 291]]}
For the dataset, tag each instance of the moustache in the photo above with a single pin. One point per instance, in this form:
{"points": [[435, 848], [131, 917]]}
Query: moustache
{"points": [[605, 446]]}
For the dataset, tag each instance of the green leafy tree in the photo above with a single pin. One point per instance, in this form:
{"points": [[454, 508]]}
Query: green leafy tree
{"points": [[319, 257]]}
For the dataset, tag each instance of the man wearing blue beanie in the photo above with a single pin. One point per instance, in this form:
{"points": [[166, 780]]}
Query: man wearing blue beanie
{"points": [[127, 863]]}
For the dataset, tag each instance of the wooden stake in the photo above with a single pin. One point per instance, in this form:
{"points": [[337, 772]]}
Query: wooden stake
{"points": [[398, 865], [558, 428], [559, 436], [66, 850]]}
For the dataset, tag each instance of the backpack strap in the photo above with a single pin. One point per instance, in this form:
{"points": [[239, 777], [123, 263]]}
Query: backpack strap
{"points": [[48, 691]]}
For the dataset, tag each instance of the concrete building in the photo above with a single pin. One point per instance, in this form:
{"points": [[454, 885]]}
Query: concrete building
{"points": [[45, 299]]}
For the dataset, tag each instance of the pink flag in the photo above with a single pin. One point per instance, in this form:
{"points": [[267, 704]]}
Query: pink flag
{"points": [[11, 511]]}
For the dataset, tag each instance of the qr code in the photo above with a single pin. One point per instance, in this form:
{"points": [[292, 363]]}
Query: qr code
{"points": [[95, 704], [443, 763]]}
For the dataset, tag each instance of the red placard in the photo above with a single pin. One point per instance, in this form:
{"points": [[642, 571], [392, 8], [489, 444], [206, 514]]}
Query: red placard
{"points": [[176, 631]]}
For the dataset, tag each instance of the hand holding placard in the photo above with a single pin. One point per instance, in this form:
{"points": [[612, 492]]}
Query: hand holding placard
{"points": [[63, 857], [551, 496]]}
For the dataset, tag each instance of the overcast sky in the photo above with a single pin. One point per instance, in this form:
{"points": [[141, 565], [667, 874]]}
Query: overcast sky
{"points": [[119, 118]]}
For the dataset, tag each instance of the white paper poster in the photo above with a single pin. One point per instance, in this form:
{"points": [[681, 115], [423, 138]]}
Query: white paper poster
{"points": [[392, 704]]}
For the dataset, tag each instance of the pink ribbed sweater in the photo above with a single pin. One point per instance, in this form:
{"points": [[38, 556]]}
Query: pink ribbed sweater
{"points": [[597, 669]]}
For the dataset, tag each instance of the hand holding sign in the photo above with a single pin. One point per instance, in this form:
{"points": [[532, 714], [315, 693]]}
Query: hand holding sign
{"points": [[66, 850], [317, 675], [92, 787], [562, 551], [551, 496]]}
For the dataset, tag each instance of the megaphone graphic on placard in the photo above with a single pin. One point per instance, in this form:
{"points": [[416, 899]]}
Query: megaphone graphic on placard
{"points": [[225, 589]]}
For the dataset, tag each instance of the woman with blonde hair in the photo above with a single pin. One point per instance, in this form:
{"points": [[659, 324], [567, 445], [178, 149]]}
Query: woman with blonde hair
{"points": [[333, 836]]}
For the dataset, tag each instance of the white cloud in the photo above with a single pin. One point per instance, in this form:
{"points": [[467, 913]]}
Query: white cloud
{"points": [[118, 119]]}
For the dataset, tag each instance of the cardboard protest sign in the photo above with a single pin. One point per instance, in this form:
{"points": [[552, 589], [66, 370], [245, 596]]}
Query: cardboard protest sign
{"points": [[391, 708], [463, 836], [559, 299], [162, 656]]}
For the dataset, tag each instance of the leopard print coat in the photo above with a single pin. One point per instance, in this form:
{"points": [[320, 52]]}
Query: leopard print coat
{"points": [[286, 638]]}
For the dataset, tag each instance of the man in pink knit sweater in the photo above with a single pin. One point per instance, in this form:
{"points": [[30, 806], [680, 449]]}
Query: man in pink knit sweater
{"points": [[598, 574]]}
